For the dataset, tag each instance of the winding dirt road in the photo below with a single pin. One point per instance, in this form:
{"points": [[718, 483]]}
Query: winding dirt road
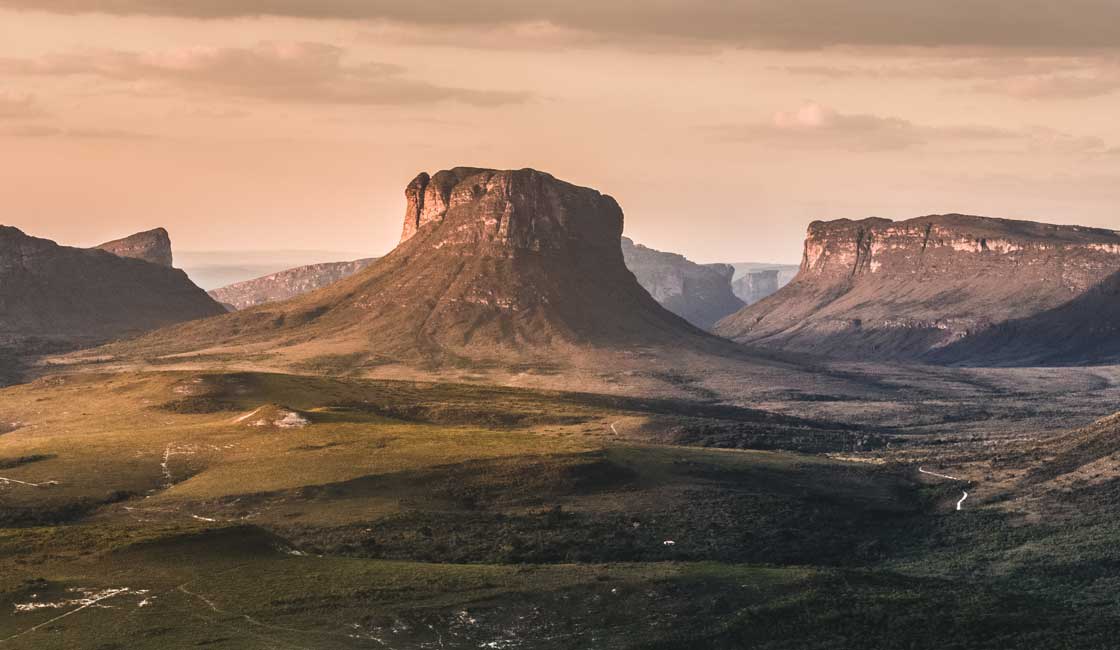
{"points": [[951, 478]]}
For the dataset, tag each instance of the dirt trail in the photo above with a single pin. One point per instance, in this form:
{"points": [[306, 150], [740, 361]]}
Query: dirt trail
{"points": [[960, 503]]}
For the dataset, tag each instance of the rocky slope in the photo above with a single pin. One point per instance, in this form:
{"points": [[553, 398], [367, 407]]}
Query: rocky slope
{"points": [[58, 293], [286, 284], [153, 246], [920, 288], [498, 265], [699, 293]]}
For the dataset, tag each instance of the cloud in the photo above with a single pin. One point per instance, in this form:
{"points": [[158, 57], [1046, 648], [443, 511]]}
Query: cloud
{"points": [[75, 133], [20, 107], [813, 125], [1064, 24], [1023, 77], [293, 73]]}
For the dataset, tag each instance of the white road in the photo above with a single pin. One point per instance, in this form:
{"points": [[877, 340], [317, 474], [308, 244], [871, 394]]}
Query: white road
{"points": [[18, 482], [951, 478]]}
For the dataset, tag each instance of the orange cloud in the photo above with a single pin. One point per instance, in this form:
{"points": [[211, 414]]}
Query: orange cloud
{"points": [[19, 107], [817, 126], [281, 72]]}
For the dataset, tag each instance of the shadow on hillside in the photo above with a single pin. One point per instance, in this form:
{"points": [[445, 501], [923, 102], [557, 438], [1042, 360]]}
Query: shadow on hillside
{"points": [[1083, 331]]}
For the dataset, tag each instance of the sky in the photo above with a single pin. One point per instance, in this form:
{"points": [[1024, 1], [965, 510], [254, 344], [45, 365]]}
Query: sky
{"points": [[722, 127]]}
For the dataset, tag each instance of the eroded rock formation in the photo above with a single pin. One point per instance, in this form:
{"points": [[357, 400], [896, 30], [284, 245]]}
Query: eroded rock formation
{"points": [[286, 284], [153, 246], [699, 293], [882, 289], [493, 265]]}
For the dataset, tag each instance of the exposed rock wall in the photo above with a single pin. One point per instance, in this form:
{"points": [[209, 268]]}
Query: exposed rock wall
{"points": [[882, 289], [287, 284], [494, 266], [153, 246], [756, 285], [699, 293]]}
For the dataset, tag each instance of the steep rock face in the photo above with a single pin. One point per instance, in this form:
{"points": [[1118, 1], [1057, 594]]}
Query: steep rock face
{"points": [[286, 284], [882, 289], [701, 294], [494, 265], [56, 292], [757, 285], [153, 246]]}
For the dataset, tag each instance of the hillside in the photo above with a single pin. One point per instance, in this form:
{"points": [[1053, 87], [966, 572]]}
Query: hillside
{"points": [[903, 290], [77, 295], [286, 284], [699, 293], [492, 265]]}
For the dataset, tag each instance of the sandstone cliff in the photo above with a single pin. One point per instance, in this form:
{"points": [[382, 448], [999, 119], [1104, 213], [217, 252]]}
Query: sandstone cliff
{"points": [[882, 289], [153, 246], [701, 294], [54, 292], [286, 284], [498, 265]]}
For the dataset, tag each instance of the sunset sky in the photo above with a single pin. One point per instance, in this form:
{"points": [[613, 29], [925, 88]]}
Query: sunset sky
{"points": [[721, 127]]}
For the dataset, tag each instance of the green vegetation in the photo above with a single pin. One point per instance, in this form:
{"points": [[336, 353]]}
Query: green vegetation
{"points": [[242, 510]]}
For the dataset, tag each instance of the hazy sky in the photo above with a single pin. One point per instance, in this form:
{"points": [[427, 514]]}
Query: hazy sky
{"points": [[721, 127]]}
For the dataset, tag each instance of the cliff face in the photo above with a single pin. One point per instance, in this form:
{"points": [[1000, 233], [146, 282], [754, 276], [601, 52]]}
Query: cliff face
{"points": [[701, 294], [153, 246], [496, 211], [287, 284], [57, 292], [493, 265], [757, 285], [882, 289]]}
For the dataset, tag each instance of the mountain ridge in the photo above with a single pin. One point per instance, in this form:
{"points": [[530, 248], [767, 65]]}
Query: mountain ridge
{"points": [[877, 288]]}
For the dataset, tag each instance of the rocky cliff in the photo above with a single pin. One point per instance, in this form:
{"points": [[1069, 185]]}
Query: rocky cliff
{"points": [[54, 292], [153, 246], [701, 294], [286, 284], [882, 289], [493, 264]]}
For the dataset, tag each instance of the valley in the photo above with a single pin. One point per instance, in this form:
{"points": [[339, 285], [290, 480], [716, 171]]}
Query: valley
{"points": [[238, 509], [497, 436]]}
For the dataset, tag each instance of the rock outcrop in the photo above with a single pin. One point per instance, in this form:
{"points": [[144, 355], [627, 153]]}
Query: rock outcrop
{"points": [[757, 285], [153, 246], [286, 284], [906, 290], [699, 293], [493, 265], [80, 295]]}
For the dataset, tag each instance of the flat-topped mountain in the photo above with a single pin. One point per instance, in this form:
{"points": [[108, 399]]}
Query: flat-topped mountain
{"points": [[882, 289], [49, 291], [492, 265], [699, 293], [286, 284], [151, 246]]}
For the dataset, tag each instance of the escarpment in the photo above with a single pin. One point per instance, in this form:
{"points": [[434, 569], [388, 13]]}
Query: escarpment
{"points": [[699, 293], [876, 288]]}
